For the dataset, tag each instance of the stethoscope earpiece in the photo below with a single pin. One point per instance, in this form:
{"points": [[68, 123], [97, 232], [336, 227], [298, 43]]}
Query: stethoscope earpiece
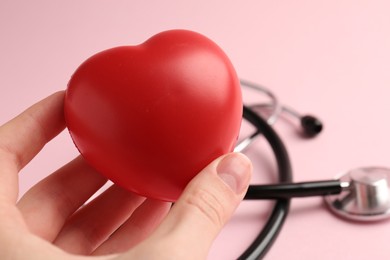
{"points": [[311, 125], [366, 199]]}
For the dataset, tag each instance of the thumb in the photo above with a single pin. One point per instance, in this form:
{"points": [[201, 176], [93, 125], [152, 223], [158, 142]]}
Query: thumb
{"points": [[206, 204]]}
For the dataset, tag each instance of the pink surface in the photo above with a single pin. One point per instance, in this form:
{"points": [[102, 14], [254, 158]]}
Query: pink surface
{"points": [[329, 58]]}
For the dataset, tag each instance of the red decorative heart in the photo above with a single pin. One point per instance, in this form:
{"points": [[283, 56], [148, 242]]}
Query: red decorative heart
{"points": [[150, 117]]}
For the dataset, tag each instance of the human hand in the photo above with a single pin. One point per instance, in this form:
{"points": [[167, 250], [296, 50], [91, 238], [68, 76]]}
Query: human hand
{"points": [[51, 221]]}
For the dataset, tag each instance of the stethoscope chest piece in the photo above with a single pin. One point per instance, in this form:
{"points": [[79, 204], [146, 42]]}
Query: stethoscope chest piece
{"points": [[366, 196]]}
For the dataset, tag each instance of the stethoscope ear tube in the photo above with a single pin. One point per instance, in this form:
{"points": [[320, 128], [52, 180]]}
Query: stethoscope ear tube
{"points": [[267, 236]]}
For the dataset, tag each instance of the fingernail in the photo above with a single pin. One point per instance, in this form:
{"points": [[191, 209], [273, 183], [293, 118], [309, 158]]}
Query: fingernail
{"points": [[234, 170]]}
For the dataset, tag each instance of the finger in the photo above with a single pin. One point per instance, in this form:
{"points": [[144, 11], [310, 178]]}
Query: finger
{"points": [[47, 205], [24, 136], [138, 227], [95, 222], [204, 207]]}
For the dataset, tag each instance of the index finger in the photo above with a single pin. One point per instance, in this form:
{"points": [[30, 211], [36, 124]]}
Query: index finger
{"points": [[24, 136]]}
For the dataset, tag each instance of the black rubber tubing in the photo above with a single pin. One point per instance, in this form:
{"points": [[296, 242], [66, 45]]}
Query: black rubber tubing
{"points": [[271, 229]]}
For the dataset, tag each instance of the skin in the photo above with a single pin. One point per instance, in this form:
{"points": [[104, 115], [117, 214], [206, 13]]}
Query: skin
{"points": [[53, 221]]}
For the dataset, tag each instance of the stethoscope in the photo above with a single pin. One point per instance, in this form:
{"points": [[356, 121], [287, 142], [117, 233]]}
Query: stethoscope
{"points": [[360, 194]]}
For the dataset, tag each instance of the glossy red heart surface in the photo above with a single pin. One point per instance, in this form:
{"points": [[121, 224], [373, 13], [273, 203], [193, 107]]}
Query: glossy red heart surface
{"points": [[150, 117]]}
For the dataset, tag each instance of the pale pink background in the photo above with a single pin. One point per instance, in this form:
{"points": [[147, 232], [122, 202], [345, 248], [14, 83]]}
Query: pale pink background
{"points": [[329, 58]]}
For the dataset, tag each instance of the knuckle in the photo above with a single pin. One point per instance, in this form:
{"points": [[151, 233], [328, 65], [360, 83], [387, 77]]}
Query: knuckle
{"points": [[209, 205], [10, 158]]}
